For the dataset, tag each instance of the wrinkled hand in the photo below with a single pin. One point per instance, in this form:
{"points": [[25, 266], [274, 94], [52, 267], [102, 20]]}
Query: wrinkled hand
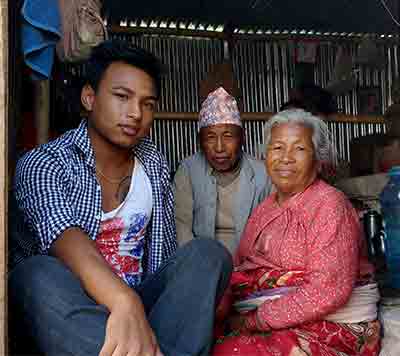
{"points": [[236, 322], [128, 333], [225, 306]]}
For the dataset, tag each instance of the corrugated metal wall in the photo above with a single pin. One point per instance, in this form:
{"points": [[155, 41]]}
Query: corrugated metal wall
{"points": [[265, 73], [348, 104], [188, 60]]}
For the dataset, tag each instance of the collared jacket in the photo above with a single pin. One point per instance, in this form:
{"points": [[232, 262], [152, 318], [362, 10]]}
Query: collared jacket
{"points": [[195, 190], [56, 188]]}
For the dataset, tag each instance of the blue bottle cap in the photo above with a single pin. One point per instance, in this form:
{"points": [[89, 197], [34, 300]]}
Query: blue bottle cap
{"points": [[394, 171]]}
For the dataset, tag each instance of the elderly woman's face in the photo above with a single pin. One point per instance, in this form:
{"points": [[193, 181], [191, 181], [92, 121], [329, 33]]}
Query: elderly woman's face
{"points": [[290, 160]]}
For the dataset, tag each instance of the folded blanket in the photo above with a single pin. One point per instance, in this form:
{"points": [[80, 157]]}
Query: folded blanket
{"points": [[40, 32]]}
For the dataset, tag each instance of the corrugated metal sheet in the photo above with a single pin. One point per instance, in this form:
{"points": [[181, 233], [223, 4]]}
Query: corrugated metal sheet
{"points": [[188, 60], [265, 72]]}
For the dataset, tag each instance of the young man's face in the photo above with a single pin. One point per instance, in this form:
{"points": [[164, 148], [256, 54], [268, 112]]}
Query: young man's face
{"points": [[122, 108], [222, 145]]}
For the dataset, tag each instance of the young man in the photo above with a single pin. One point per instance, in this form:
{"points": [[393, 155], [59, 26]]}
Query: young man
{"points": [[216, 189], [106, 280]]}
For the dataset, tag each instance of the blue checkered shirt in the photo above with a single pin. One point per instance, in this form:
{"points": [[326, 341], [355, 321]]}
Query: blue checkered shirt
{"points": [[56, 189]]}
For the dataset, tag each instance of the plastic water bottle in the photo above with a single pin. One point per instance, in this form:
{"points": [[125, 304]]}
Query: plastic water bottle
{"points": [[390, 204]]}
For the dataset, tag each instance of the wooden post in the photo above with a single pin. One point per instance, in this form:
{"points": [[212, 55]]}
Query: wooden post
{"points": [[3, 170], [42, 110]]}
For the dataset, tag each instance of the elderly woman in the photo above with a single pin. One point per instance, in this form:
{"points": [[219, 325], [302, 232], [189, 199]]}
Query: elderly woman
{"points": [[302, 284]]}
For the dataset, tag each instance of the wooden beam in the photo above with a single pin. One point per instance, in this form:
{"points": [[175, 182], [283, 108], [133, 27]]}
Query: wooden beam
{"points": [[359, 119], [264, 116], [164, 31], [116, 29], [42, 110], [193, 116]]}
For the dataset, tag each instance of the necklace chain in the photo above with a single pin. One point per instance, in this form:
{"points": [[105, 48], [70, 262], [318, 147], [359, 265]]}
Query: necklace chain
{"points": [[112, 180]]}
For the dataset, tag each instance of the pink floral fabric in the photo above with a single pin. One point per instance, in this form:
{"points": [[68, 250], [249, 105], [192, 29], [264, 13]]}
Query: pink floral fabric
{"points": [[313, 241]]}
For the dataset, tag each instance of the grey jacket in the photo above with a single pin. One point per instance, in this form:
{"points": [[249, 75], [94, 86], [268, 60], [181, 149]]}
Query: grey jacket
{"points": [[195, 190]]}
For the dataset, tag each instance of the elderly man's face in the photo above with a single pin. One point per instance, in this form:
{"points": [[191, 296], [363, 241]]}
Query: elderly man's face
{"points": [[222, 145], [290, 160]]}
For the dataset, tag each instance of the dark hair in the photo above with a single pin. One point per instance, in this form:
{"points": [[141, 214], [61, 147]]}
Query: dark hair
{"points": [[293, 104], [317, 99], [114, 50]]}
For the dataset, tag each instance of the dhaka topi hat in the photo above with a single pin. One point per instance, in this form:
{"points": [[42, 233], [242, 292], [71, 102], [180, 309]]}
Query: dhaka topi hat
{"points": [[219, 108]]}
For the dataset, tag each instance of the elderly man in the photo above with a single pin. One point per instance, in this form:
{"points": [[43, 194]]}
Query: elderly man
{"points": [[217, 188]]}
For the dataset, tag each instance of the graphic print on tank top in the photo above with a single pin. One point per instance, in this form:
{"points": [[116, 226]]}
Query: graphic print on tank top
{"points": [[121, 237]]}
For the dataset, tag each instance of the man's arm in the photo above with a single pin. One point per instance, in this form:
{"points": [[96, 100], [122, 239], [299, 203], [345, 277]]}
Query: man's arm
{"points": [[42, 196], [183, 206], [127, 327]]}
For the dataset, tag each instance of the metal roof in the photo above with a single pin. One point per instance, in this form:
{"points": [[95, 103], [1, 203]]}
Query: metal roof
{"points": [[287, 16]]}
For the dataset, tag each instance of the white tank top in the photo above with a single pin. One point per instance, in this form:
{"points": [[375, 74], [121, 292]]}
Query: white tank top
{"points": [[121, 237]]}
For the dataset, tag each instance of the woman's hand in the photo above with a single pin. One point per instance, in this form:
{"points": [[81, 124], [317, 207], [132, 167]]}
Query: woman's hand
{"points": [[246, 322], [225, 306], [129, 333], [237, 322]]}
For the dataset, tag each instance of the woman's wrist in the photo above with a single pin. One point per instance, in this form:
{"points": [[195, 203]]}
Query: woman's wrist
{"points": [[252, 323]]}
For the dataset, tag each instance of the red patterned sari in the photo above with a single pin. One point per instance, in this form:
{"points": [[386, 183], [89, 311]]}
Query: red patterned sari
{"points": [[312, 245]]}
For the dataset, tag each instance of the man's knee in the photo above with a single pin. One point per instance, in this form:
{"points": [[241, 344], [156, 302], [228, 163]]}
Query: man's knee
{"points": [[36, 271], [46, 295], [210, 250], [44, 282], [38, 263]]}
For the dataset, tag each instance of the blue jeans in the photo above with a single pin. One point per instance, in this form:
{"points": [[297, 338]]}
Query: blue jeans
{"points": [[179, 299]]}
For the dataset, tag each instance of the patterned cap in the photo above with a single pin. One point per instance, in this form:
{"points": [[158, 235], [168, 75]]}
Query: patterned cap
{"points": [[219, 108]]}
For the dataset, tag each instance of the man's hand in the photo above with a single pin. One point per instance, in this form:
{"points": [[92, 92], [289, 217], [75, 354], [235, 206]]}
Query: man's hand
{"points": [[129, 333]]}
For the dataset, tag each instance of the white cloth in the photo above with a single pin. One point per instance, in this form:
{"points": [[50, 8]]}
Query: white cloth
{"points": [[139, 197], [390, 319], [362, 306]]}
